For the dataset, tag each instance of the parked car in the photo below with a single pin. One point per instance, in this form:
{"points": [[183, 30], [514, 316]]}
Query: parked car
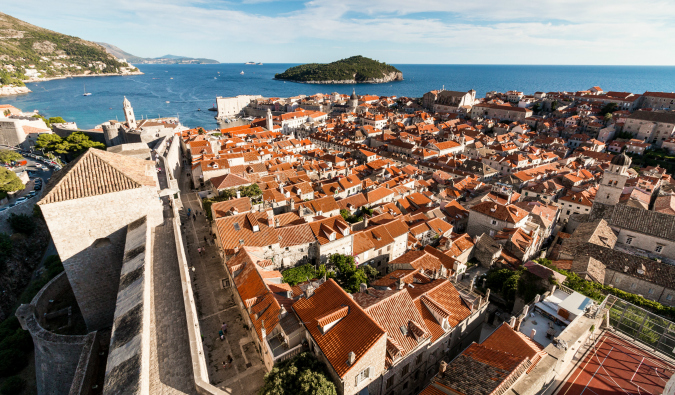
{"points": [[31, 194], [37, 187], [3, 209]]}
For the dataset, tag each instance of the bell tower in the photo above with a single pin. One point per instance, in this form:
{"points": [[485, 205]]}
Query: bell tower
{"points": [[129, 114], [353, 99], [614, 180], [270, 124]]}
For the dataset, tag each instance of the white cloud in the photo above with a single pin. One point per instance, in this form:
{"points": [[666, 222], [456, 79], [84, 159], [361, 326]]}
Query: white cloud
{"points": [[517, 32]]}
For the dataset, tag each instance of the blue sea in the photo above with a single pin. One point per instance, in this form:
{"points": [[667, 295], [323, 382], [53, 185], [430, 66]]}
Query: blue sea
{"points": [[169, 90]]}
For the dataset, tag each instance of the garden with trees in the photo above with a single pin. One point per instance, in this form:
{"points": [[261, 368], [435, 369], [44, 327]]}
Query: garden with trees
{"points": [[251, 191], [341, 268], [300, 375]]}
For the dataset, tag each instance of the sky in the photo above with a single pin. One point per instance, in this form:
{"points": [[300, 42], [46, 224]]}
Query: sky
{"points": [[577, 32]]}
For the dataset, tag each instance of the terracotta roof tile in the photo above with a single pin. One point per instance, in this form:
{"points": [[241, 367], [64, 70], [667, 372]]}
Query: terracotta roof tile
{"points": [[96, 173], [357, 332]]}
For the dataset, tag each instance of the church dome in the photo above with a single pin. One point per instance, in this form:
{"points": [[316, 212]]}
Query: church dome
{"points": [[353, 96], [621, 160]]}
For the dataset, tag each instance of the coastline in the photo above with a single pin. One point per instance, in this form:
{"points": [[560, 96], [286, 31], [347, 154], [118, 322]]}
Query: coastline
{"points": [[22, 90], [13, 90], [83, 75]]}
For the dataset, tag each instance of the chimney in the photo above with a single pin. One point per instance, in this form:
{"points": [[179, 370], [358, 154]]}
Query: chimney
{"points": [[264, 332], [363, 288], [292, 204], [365, 220], [400, 283], [270, 217], [512, 322], [238, 194], [532, 333], [309, 291], [442, 367], [352, 358]]}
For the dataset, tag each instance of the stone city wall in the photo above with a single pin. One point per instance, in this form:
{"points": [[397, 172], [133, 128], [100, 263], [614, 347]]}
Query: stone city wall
{"points": [[127, 369], [89, 235], [199, 368], [56, 356]]}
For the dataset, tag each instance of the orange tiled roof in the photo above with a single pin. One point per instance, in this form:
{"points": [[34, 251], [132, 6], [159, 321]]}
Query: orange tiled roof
{"points": [[357, 332], [98, 172]]}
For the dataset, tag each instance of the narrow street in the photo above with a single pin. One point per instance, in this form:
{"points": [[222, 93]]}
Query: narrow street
{"points": [[216, 304]]}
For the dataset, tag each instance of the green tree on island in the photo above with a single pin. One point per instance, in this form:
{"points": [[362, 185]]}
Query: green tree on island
{"points": [[9, 156], [9, 182], [301, 375]]}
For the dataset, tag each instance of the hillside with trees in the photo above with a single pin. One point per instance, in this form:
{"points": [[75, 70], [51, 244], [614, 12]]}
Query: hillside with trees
{"points": [[29, 51], [357, 69]]}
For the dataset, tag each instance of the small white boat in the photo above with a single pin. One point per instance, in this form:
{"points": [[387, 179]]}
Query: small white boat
{"points": [[215, 78], [168, 101], [242, 72], [85, 92], [260, 64], [171, 78]]}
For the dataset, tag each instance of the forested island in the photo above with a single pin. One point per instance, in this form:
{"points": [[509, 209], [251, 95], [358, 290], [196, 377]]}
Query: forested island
{"points": [[357, 69]]}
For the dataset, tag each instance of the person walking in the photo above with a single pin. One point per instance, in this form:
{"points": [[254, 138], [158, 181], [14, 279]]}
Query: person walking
{"points": [[224, 327]]}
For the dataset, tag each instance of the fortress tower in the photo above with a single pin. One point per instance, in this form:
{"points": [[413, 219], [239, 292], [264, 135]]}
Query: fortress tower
{"points": [[129, 114], [614, 180]]}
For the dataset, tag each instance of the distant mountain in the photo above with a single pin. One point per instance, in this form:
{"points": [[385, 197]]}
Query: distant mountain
{"points": [[120, 54], [29, 51], [357, 69], [166, 59]]}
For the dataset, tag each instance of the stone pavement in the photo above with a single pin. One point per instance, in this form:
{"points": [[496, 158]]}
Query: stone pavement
{"points": [[171, 369], [216, 304]]}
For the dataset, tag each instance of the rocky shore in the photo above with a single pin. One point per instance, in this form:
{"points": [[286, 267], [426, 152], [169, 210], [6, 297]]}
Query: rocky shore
{"points": [[8, 90], [394, 76], [61, 77]]}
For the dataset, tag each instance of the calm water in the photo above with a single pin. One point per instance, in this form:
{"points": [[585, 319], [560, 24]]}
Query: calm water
{"points": [[196, 86]]}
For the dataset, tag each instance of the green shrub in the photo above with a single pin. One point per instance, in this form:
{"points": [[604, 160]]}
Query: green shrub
{"points": [[22, 223], [302, 374], [8, 326], [13, 386], [12, 361], [20, 340]]}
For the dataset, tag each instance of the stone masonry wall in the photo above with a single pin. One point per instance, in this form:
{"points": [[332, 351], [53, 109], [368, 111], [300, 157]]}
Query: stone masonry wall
{"points": [[128, 366], [56, 356], [89, 235]]}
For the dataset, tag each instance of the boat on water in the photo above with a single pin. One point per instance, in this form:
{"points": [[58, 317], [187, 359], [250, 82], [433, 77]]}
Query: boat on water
{"points": [[260, 64], [249, 63], [171, 78], [168, 101], [214, 108], [215, 78], [242, 72], [85, 92]]}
